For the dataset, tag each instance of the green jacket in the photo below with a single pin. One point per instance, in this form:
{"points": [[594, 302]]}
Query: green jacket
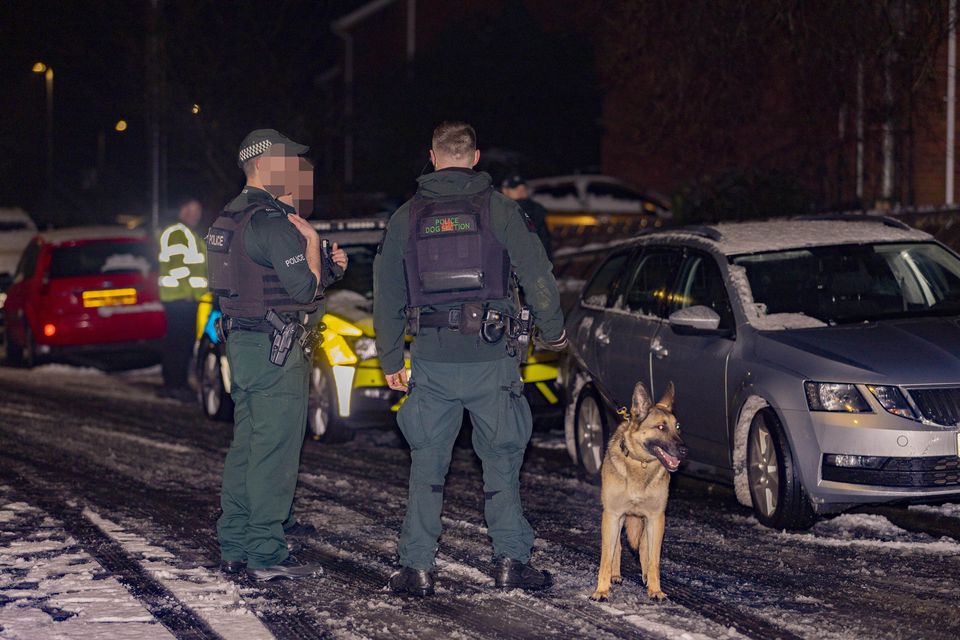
{"points": [[183, 264], [390, 289]]}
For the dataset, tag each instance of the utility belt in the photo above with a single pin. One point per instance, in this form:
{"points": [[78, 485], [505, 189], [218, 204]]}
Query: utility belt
{"points": [[284, 331], [476, 318]]}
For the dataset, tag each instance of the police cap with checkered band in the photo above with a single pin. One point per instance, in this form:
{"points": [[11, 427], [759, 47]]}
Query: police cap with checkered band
{"points": [[257, 142]]}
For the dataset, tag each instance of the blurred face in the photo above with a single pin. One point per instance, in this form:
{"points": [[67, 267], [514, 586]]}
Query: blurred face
{"points": [[519, 192], [190, 213], [288, 178]]}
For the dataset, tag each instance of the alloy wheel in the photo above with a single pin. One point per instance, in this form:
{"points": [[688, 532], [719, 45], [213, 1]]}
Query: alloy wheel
{"points": [[764, 468], [320, 405], [590, 434], [211, 385]]}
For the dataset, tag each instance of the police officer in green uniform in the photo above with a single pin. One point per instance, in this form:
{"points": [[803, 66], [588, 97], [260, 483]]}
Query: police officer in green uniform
{"points": [[446, 266], [265, 261]]}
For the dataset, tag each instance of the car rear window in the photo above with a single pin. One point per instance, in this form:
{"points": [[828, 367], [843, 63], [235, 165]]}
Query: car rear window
{"points": [[96, 258]]}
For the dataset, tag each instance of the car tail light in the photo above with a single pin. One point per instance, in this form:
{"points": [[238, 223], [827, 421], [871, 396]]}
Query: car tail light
{"points": [[49, 330]]}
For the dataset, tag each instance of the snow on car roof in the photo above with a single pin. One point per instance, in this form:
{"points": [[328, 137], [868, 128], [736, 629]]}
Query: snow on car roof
{"points": [[90, 233], [775, 235], [15, 214]]}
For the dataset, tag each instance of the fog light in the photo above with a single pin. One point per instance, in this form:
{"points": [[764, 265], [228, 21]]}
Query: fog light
{"points": [[49, 330], [851, 461]]}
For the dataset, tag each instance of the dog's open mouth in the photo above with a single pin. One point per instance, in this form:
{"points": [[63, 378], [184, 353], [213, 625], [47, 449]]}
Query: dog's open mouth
{"points": [[672, 463]]}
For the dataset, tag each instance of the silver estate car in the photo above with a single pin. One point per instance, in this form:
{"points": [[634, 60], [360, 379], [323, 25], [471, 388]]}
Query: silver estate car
{"points": [[817, 361]]}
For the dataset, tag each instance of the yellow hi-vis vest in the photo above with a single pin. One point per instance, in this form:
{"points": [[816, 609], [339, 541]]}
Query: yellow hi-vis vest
{"points": [[183, 264]]}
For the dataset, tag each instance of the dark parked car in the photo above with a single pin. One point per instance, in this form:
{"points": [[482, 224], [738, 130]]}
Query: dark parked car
{"points": [[817, 362]]}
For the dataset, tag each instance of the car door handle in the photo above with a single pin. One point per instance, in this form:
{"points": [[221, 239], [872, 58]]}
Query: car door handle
{"points": [[601, 335], [657, 349]]}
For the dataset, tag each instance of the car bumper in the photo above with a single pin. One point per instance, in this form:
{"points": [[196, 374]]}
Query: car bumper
{"points": [[137, 350], [918, 462]]}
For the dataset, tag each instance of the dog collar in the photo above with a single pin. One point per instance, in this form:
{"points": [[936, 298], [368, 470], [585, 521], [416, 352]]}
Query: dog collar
{"points": [[626, 453]]}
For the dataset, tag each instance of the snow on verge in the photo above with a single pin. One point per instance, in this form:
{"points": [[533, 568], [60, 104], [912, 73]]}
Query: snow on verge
{"points": [[217, 601]]}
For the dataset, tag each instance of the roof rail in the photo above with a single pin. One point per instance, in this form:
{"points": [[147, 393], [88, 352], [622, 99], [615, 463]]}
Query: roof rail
{"points": [[350, 224], [694, 229], [857, 217]]}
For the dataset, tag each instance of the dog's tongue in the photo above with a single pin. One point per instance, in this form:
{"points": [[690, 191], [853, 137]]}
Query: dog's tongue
{"points": [[672, 462]]}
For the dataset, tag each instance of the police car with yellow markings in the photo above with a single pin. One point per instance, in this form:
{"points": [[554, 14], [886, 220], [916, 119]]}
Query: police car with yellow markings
{"points": [[347, 387]]}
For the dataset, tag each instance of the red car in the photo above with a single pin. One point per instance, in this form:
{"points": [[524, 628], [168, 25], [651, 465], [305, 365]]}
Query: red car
{"points": [[84, 291]]}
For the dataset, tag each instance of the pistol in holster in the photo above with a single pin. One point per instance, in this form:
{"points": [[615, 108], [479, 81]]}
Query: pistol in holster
{"points": [[285, 335]]}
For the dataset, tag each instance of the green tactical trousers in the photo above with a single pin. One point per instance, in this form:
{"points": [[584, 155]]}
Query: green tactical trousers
{"points": [[430, 420], [260, 472]]}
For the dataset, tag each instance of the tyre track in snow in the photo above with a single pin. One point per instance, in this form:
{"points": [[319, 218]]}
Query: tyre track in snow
{"points": [[133, 500], [701, 577], [694, 599], [688, 576], [172, 613], [120, 494]]}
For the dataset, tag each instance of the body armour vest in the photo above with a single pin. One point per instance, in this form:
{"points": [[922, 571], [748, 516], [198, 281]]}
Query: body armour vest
{"points": [[246, 289], [452, 255]]}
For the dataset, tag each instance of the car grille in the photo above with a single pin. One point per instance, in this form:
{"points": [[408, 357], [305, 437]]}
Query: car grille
{"points": [[940, 406], [918, 473]]}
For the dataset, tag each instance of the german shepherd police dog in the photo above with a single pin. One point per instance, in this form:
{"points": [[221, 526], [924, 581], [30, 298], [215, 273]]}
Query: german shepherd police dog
{"points": [[641, 455]]}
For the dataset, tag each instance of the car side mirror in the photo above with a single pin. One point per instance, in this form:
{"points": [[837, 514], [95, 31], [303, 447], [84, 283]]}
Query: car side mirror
{"points": [[699, 318]]}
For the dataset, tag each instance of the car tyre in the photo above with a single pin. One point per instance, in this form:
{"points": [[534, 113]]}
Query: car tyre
{"points": [[323, 423], [590, 431], [22, 354], [779, 499], [215, 402]]}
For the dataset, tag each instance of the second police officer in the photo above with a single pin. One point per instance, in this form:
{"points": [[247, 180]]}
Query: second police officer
{"points": [[264, 257], [446, 265]]}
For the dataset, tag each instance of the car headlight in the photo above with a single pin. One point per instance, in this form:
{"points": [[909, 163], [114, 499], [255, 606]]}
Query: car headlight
{"points": [[834, 396], [893, 400], [365, 348]]}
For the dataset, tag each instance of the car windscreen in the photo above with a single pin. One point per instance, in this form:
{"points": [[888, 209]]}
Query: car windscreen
{"points": [[359, 274], [101, 257], [855, 283]]}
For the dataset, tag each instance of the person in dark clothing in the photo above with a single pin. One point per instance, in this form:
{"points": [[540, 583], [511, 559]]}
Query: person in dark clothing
{"points": [[446, 265], [515, 188], [266, 262]]}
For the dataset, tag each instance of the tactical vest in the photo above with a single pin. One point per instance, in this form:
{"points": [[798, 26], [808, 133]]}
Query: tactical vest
{"points": [[246, 288], [452, 255]]}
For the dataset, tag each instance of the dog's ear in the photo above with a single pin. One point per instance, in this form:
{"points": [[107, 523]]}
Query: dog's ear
{"points": [[640, 406], [666, 402]]}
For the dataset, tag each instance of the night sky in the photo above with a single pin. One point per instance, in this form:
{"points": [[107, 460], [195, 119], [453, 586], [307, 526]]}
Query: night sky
{"points": [[257, 64]]}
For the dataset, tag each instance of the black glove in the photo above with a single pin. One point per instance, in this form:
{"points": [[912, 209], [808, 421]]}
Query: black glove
{"points": [[552, 345]]}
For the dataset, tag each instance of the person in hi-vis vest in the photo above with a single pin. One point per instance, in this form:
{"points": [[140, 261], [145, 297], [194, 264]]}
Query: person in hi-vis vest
{"points": [[183, 281]]}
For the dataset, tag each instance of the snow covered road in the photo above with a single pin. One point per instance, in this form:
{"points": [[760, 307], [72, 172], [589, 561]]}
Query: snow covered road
{"points": [[108, 498]]}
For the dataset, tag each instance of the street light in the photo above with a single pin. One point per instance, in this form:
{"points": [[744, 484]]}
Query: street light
{"points": [[47, 71], [121, 126]]}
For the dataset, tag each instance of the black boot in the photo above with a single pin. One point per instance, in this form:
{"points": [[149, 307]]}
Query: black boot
{"points": [[233, 566], [414, 582], [289, 569], [513, 574], [301, 530]]}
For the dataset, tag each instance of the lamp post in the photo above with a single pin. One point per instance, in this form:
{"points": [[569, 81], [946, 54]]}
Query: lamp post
{"points": [[47, 72]]}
